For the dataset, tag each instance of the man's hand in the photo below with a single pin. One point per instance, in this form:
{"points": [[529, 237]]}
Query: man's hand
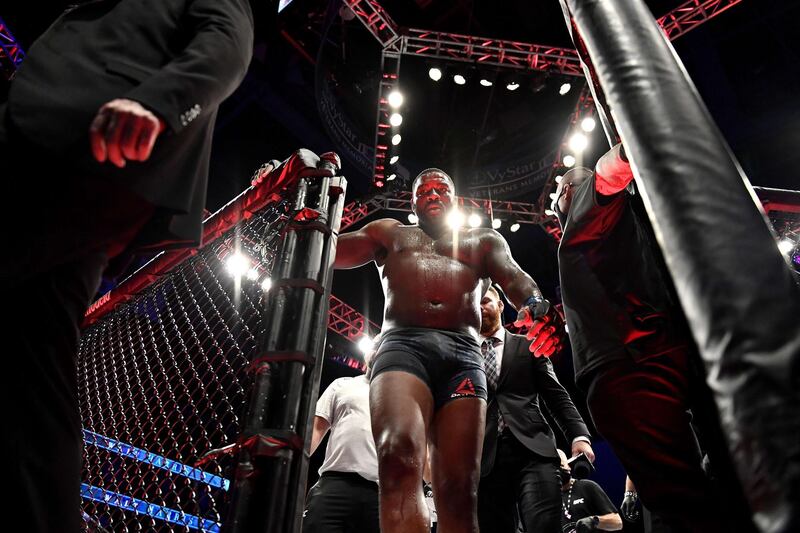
{"points": [[581, 446], [587, 524], [629, 509], [301, 164], [122, 131], [545, 328]]}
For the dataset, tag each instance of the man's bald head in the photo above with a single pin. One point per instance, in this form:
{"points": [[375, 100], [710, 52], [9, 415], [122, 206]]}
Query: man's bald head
{"points": [[572, 179]]}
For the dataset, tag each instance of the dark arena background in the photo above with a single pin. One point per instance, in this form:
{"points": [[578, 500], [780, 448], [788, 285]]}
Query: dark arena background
{"points": [[492, 92]]}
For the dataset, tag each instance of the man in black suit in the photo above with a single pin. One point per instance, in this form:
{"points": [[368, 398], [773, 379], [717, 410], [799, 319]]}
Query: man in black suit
{"points": [[519, 466], [106, 136]]}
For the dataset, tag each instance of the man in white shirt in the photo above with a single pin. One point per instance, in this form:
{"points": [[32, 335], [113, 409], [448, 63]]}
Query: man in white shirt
{"points": [[519, 466], [345, 499]]}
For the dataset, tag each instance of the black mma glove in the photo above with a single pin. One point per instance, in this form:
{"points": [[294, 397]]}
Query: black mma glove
{"points": [[589, 523], [629, 510]]}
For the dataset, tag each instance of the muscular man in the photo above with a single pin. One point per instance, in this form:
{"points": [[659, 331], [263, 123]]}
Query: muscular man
{"points": [[427, 377], [106, 137], [584, 505], [633, 354], [520, 464]]}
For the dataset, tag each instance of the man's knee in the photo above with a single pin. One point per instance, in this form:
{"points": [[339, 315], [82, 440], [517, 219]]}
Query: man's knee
{"points": [[400, 456]]}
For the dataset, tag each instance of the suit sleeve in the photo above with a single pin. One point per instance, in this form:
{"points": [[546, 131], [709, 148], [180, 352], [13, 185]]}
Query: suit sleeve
{"points": [[208, 69], [558, 400]]}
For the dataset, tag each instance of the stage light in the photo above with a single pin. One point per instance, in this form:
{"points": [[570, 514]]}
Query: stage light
{"points": [[396, 119], [455, 219], [391, 177], [578, 142], [474, 220], [435, 73], [395, 99], [252, 274], [459, 79], [785, 246], [485, 82], [394, 159], [564, 89], [412, 218], [549, 212], [588, 124], [496, 223], [266, 284], [237, 264], [569, 161], [553, 195], [514, 227], [512, 86], [365, 344], [559, 178], [379, 184], [396, 138]]}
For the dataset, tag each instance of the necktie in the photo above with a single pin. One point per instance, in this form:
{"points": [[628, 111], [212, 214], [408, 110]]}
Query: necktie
{"points": [[490, 365]]}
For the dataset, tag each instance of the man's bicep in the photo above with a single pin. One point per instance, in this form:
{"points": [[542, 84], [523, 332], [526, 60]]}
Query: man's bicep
{"points": [[358, 248]]}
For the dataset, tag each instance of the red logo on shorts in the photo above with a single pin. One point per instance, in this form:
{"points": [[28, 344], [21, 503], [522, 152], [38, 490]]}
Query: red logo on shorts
{"points": [[466, 388]]}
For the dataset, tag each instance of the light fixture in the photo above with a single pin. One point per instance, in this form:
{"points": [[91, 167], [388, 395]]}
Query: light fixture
{"points": [[394, 159], [578, 142], [588, 124], [496, 223], [549, 212], [266, 284], [435, 73], [396, 119], [252, 274], [569, 161], [485, 82], [379, 184], [514, 227], [237, 264], [785, 246], [512, 86], [391, 177], [559, 178], [564, 89], [459, 79], [474, 220], [412, 218], [396, 138], [395, 99], [365, 344], [455, 219]]}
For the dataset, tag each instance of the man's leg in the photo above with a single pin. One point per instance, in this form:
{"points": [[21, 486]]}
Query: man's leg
{"points": [[401, 406], [457, 438], [328, 506], [497, 492], [540, 496]]}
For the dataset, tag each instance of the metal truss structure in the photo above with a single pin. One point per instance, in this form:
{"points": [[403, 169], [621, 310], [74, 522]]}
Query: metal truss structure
{"points": [[348, 322], [11, 53], [691, 14]]}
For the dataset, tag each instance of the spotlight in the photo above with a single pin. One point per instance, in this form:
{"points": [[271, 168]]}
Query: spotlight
{"points": [[559, 178], [549, 212], [455, 219], [514, 227], [564, 89], [396, 138], [435, 73], [553, 196], [395, 99], [785, 246], [512, 86], [459, 79], [394, 159], [474, 220], [412, 218], [588, 124], [496, 223], [365, 344], [391, 177], [237, 265], [569, 161], [266, 284], [252, 274], [485, 82], [396, 119], [578, 142], [379, 184]]}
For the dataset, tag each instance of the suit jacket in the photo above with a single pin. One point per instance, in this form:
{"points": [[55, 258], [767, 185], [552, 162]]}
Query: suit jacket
{"points": [[523, 380], [179, 58]]}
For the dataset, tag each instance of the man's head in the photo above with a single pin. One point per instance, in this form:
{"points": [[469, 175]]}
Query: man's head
{"points": [[491, 311], [566, 187], [432, 194]]}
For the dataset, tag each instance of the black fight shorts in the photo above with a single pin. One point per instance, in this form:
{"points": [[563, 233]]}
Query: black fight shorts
{"points": [[450, 363]]}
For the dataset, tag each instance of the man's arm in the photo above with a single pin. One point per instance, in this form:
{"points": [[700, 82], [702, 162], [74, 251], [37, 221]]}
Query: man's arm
{"points": [[321, 427], [358, 248]]}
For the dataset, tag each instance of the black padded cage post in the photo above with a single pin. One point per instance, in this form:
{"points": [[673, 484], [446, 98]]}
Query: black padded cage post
{"points": [[269, 486], [739, 295]]}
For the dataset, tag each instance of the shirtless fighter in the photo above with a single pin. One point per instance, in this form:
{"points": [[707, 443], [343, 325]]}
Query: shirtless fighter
{"points": [[428, 382]]}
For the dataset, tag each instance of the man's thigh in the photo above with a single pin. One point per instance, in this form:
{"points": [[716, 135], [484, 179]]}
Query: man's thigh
{"points": [[539, 497]]}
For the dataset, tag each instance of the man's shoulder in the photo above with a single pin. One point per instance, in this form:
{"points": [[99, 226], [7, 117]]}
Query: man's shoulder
{"points": [[588, 485]]}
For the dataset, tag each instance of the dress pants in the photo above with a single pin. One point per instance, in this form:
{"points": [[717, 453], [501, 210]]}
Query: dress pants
{"points": [[520, 482], [342, 502]]}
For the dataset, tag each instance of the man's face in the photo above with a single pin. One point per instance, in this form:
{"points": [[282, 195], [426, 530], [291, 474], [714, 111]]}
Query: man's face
{"points": [[491, 312], [433, 197]]}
